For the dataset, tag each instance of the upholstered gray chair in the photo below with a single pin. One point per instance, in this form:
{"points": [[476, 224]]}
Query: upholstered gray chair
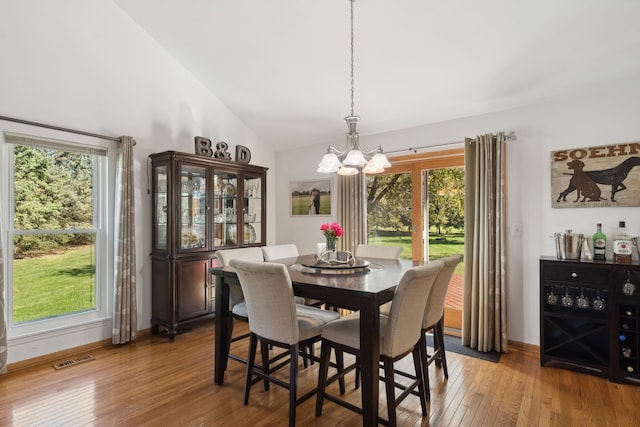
{"points": [[378, 251], [399, 336], [236, 298], [271, 252], [237, 304], [287, 250], [434, 317], [433, 322], [274, 319]]}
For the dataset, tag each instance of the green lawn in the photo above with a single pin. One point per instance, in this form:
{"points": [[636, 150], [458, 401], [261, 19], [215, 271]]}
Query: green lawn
{"points": [[439, 246], [52, 285]]}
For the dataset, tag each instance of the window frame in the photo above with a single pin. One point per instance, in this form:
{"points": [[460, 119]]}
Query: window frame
{"points": [[103, 161]]}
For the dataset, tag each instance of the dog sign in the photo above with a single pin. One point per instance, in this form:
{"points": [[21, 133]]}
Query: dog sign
{"points": [[607, 175]]}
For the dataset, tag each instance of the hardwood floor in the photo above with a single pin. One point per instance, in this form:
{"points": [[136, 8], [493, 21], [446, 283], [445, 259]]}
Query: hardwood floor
{"points": [[153, 382]]}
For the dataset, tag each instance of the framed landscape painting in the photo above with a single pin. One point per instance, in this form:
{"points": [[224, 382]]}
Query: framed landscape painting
{"points": [[310, 197]]}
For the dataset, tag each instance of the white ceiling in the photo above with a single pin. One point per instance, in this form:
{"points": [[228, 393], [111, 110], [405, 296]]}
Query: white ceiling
{"points": [[283, 66]]}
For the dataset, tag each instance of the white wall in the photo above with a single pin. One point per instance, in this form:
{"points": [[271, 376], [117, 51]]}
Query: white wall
{"points": [[84, 64], [601, 116]]}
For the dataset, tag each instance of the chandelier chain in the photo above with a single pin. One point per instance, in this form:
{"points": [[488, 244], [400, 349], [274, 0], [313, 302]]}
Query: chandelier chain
{"points": [[352, 85]]}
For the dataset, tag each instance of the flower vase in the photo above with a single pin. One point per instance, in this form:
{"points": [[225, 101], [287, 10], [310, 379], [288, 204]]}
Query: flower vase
{"points": [[331, 249]]}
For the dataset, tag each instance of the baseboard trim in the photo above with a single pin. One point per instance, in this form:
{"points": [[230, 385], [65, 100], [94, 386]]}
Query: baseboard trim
{"points": [[65, 354]]}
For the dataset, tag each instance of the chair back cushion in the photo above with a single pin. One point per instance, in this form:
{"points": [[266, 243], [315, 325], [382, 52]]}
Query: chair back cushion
{"points": [[272, 252], [378, 251], [245, 254], [269, 296], [435, 306], [407, 309]]}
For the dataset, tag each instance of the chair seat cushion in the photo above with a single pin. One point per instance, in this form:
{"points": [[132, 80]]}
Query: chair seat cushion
{"points": [[240, 309], [311, 320], [346, 331]]}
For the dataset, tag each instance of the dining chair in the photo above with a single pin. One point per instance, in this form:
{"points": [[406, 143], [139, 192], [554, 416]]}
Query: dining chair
{"points": [[378, 251], [271, 252], [434, 318], [237, 304], [287, 250], [275, 319], [399, 336], [433, 322]]}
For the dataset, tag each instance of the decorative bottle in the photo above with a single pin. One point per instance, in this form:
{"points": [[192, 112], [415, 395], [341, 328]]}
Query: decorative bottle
{"points": [[622, 245], [599, 244]]}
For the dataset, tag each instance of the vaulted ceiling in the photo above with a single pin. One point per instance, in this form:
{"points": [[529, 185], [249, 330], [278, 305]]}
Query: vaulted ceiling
{"points": [[283, 66]]}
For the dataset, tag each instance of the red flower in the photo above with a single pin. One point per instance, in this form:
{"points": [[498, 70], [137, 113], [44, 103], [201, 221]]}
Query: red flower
{"points": [[332, 230]]}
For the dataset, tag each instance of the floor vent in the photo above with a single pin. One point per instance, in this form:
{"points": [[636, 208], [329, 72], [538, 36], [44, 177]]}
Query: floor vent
{"points": [[73, 362]]}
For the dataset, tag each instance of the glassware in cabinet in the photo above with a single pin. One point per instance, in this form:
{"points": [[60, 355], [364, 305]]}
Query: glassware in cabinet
{"points": [[193, 207]]}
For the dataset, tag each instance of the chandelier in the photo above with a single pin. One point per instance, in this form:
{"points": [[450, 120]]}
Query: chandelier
{"points": [[353, 158]]}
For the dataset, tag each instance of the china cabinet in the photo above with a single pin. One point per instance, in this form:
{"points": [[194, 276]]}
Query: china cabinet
{"points": [[200, 205], [589, 317]]}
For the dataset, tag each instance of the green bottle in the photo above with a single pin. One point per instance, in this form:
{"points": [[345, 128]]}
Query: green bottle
{"points": [[599, 244]]}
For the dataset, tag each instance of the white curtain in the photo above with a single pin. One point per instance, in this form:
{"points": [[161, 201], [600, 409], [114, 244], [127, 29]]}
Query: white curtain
{"points": [[125, 312], [484, 316], [3, 311]]}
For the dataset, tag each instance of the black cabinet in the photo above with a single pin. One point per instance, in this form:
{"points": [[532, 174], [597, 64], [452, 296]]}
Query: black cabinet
{"points": [[200, 205], [587, 323]]}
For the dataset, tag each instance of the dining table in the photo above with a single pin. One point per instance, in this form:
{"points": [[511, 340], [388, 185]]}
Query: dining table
{"points": [[363, 288]]}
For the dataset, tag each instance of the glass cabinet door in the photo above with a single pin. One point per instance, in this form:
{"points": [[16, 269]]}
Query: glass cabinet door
{"points": [[160, 211], [225, 209], [252, 210], [193, 207]]}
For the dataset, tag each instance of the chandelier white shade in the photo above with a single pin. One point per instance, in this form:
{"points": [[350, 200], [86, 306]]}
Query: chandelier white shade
{"points": [[353, 158]]}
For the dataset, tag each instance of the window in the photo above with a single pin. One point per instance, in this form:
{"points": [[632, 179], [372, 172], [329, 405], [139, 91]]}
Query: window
{"points": [[57, 241]]}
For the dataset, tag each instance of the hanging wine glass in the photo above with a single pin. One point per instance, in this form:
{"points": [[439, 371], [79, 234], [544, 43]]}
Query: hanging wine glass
{"points": [[552, 299], [598, 303], [567, 301], [582, 301], [628, 288]]}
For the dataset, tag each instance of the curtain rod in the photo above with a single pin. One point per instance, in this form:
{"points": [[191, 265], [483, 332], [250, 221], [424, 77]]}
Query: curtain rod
{"points": [[508, 137], [43, 125]]}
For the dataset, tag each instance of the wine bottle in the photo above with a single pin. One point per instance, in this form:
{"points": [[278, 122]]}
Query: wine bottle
{"points": [[622, 337], [599, 243], [630, 368], [622, 245], [626, 352]]}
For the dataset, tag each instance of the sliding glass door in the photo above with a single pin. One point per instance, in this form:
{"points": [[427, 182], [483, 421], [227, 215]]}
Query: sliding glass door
{"points": [[418, 205]]}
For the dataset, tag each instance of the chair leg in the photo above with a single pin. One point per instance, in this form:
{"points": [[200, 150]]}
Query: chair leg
{"points": [[418, 363], [293, 383], [264, 351], [357, 379], [325, 353], [439, 330], [253, 345], [424, 364], [390, 388], [340, 366]]}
